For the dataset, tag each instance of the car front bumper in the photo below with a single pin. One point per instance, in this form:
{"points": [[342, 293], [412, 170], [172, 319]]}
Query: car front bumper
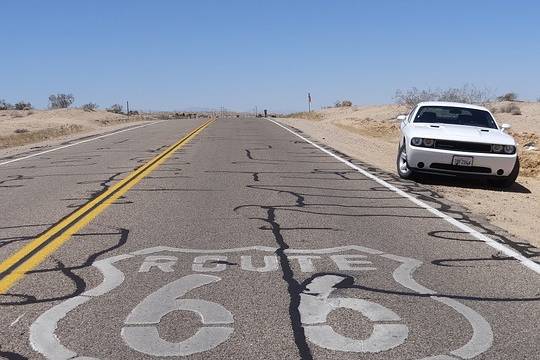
{"points": [[437, 160]]}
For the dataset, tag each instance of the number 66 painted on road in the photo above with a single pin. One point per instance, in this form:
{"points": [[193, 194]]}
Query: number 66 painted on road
{"points": [[141, 332]]}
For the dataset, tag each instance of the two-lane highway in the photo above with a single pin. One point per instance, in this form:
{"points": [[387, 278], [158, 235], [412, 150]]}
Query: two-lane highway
{"points": [[238, 239]]}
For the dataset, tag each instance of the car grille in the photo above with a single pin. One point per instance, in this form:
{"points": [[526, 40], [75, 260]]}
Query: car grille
{"points": [[473, 169], [462, 146]]}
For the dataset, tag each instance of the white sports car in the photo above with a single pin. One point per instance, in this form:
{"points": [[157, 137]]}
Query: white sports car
{"points": [[456, 139]]}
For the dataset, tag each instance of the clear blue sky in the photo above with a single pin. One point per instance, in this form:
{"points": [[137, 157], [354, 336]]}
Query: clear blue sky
{"points": [[181, 54]]}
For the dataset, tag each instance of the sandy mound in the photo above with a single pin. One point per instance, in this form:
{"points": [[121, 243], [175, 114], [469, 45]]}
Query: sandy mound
{"points": [[18, 127]]}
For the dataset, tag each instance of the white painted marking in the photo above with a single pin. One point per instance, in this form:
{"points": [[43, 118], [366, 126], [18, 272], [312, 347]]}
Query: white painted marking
{"points": [[162, 262], [78, 143], [336, 249], [42, 337], [482, 338], [199, 263], [17, 319], [383, 337], [146, 339], [476, 234], [403, 274], [347, 262], [270, 264], [305, 262], [114, 276], [315, 306]]}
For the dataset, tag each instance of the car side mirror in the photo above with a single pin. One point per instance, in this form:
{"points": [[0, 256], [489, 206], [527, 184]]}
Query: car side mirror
{"points": [[401, 119], [505, 127]]}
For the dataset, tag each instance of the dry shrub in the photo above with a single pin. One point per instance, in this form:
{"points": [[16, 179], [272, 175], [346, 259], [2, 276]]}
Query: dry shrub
{"points": [[468, 94], [529, 154], [116, 108], [20, 131], [61, 101], [511, 96], [89, 107], [530, 163], [4, 105], [23, 105], [510, 108], [343, 103]]}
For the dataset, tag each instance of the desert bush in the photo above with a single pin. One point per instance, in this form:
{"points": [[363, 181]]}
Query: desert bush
{"points": [[343, 103], [61, 101], [116, 108], [511, 96], [466, 94], [89, 107], [509, 109], [21, 131], [4, 105], [22, 105]]}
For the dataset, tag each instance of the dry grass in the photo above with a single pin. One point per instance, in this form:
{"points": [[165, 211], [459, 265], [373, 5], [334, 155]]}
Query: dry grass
{"points": [[306, 115], [529, 154], [125, 119], [27, 137]]}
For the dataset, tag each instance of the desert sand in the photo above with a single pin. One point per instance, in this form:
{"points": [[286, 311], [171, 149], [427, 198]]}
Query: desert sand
{"points": [[370, 134], [20, 127]]}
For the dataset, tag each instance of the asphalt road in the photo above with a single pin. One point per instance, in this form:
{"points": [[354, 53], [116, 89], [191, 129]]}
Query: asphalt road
{"points": [[247, 242]]}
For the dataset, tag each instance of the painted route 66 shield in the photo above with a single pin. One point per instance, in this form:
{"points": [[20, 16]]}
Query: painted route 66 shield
{"points": [[227, 303]]}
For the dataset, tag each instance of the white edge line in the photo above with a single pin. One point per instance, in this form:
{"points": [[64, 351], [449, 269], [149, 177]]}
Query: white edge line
{"points": [[494, 244], [78, 143]]}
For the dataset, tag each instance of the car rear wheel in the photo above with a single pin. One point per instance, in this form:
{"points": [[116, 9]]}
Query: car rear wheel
{"points": [[507, 181], [403, 169]]}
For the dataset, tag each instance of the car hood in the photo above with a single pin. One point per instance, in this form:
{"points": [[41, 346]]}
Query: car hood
{"points": [[461, 133]]}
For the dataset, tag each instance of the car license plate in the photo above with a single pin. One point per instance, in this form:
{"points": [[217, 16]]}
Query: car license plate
{"points": [[462, 160]]}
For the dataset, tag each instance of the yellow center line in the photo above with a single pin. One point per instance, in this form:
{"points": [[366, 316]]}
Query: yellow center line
{"points": [[34, 253]]}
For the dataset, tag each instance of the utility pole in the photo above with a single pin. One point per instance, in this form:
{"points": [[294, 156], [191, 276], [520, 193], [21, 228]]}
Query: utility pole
{"points": [[127, 108], [309, 101], [256, 111]]}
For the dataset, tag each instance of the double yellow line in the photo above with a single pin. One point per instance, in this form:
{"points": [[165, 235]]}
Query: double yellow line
{"points": [[35, 252]]}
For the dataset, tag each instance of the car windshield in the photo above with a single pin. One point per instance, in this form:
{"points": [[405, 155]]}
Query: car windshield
{"points": [[455, 116]]}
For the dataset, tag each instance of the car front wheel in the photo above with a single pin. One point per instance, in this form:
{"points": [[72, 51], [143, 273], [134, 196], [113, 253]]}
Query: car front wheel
{"points": [[403, 169]]}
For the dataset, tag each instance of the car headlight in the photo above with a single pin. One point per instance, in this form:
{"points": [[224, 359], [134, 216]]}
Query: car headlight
{"points": [[428, 142], [416, 141], [509, 149], [497, 148]]}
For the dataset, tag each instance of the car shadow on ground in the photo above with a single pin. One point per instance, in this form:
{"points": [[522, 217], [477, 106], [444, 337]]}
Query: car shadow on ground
{"points": [[470, 183]]}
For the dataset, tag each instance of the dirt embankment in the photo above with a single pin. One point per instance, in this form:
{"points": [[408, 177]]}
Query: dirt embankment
{"points": [[370, 133], [19, 127]]}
